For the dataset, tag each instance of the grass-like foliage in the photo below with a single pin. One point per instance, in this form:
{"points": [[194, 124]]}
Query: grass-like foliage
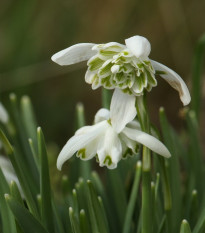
{"points": [[103, 201]]}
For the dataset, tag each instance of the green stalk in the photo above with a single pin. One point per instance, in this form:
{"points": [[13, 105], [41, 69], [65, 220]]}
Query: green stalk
{"points": [[133, 199], [146, 193], [85, 166], [147, 223]]}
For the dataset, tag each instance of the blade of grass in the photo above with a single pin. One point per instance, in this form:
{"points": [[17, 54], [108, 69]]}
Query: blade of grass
{"points": [[185, 227], [26, 220], [197, 75], [84, 166], [7, 218], [45, 189], [133, 198], [20, 174]]}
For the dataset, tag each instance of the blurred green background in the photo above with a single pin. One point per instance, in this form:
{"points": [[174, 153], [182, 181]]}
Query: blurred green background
{"points": [[32, 31]]}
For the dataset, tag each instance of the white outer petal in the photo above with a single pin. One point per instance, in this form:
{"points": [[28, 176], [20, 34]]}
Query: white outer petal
{"points": [[122, 110], [111, 146], [3, 114], [174, 80], [101, 115], [79, 141], [147, 140], [139, 46], [74, 54]]}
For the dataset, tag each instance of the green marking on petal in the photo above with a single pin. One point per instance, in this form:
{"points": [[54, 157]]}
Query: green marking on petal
{"points": [[95, 63], [107, 53], [159, 72], [81, 153], [108, 159], [97, 158], [119, 77], [106, 69], [106, 82], [109, 122], [127, 91], [127, 153], [151, 78]]}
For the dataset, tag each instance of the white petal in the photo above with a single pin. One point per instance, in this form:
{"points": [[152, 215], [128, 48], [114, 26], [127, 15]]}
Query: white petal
{"points": [[89, 75], [3, 114], [174, 80], [134, 125], [139, 46], [101, 115], [110, 149], [122, 110], [128, 142], [79, 141], [74, 54], [115, 46], [147, 140]]}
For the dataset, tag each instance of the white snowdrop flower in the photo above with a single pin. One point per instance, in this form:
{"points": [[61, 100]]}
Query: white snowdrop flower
{"points": [[114, 135], [126, 67]]}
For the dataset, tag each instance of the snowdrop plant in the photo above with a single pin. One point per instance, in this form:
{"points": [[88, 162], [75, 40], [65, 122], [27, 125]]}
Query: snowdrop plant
{"points": [[127, 69], [113, 136]]}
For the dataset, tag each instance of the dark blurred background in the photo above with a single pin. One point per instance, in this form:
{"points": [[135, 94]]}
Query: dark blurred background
{"points": [[32, 31]]}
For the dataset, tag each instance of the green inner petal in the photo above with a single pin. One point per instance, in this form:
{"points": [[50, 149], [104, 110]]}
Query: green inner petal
{"points": [[106, 69], [95, 63]]}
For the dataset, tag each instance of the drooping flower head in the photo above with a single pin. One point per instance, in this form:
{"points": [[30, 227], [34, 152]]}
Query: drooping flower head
{"points": [[126, 67], [114, 135]]}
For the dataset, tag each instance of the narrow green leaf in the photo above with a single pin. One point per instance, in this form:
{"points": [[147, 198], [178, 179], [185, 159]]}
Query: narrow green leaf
{"points": [[34, 152], [84, 226], [74, 222], [45, 189], [195, 153], [29, 120], [162, 225], [172, 168], [25, 156], [194, 208], [197, 75], [15, 193], [117, 195], [75, 202], [6, 144], [21, 176], [8, 222], [84, 166], [65, 185], [185, 227], [96, 214], [133, 198], [26, 220]]}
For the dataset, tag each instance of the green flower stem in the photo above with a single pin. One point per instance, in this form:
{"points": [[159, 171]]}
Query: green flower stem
{"points": [[147, 222], [133, 199], [85, 166], [146, 193]]}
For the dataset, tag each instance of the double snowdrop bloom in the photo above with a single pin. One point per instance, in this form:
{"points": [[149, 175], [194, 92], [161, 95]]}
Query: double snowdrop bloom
{"points": [[113, 136], [126, 67]]}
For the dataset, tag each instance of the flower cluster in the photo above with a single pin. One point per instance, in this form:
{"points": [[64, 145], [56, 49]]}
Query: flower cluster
{"points": [[128, 70]]}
